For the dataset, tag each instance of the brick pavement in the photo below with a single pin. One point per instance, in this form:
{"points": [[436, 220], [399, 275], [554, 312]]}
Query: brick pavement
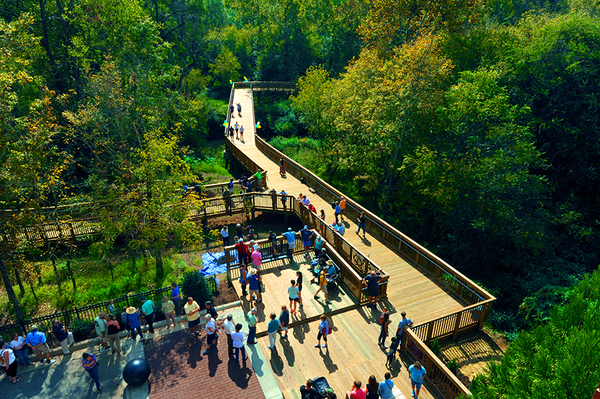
{"points": [[179, 370]]}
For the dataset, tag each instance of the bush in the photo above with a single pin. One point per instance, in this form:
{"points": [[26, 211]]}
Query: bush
{"points": [[435, 347], [81, 328], [452, 365], [194, 285], [503, 320]]}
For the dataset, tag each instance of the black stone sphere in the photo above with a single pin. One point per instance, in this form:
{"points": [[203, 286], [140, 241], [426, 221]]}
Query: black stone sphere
{"points": [[136, 372]]}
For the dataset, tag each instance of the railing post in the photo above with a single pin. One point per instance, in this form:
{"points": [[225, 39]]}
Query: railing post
{"points": [[482, 313], [429, 332], [228, 260], [127, 299], [457, 325]]}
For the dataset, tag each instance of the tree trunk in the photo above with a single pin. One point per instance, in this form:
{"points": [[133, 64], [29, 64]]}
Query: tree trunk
{"points": [[71, 274], [9, 290], [133, 259], [33, 292], [19, 281], [391, 171], [160, 271], [58, 284]]}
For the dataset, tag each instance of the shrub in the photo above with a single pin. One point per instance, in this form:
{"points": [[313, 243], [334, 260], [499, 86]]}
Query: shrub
{"points": [[81, 328], [452, 365], [194, 285], [435, 347]]}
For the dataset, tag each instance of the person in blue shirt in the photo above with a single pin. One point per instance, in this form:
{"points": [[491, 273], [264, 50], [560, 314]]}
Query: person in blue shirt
{"points": [[308, 391], [306, 239], [323, 331], [338, 211], [385, 387], [417, 374], [283, 198], [331, 270], [176, 298], [133, 319], [403, 323], [318, 244], [290, 236], [37, 342], [272, 328], [253, 285]]}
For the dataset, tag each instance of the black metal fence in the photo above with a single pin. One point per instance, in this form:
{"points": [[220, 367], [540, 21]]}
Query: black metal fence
{"points": [[79, 319]]}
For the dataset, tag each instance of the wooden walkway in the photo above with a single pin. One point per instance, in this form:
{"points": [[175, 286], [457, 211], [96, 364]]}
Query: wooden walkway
{"points": [[353, 353]]}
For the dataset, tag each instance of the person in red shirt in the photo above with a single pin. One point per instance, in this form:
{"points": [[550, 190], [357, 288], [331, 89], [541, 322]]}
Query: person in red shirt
{"points": [[242, 250], [357, 392]]}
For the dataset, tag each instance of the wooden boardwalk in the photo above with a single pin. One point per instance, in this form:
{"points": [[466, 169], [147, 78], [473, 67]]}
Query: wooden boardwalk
{"points": [[353, 353]]}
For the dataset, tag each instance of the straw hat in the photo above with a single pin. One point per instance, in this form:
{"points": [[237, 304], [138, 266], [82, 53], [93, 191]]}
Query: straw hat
{"points": [[329, 263], [252, 272], [131, 310]]}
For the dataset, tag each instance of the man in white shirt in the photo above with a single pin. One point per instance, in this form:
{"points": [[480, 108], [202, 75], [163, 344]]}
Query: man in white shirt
{"points": [[229, 329], [211, 334]]}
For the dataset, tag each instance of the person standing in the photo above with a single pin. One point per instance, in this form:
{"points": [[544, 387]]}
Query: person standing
{"points": [[148, 312], [293, 296], [417, 374], [257, 259], [342, 207], [9, 362], [402, 325], [242, 250], [239, 108], [37, 342], [254, 285], [372, 388], [133, 319], [237, 128], [273, 193], [284, 320], [90, 365], [273, 240], [112, 330], [64, 337], [322, 215], [210, 309], [290, 236], [225, 235], [391, 355], [299, 284], [338, 211], [111, 307], [272, 328], [318, 244], [230, 129], [227, 200], [20, 349], [385, 322], [211, 333], [283, 198], [100, 326], [252, 320], [191, 309], [176, 298], [231, 110], [244, 279], [238, 338], [323, 331], [168, 309], [362, 223], [229, 329], [385, 387], [282, 167], [242, 133], [306, 239], [323, 285], [125, 322], [371, 281], [227, 157]]}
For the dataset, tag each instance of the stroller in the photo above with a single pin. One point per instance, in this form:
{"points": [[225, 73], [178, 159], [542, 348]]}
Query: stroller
{"points": [[322, 386]]}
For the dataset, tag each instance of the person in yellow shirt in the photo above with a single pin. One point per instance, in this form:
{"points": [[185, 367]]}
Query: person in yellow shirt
{"points": [[191, 310]]}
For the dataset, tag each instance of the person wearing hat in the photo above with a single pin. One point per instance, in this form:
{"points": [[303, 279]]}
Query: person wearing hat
{"points": [[148, 312], [37, 342], [306, 239], [318, 244], [252, 321], [211, 333], [290, 236], [254, 285], [229, 329], [210, 309], [371, 281], [252, 234], [191, 309], [133, 319], [100, 327], [64, 337], [331, 270], [242, 250]]}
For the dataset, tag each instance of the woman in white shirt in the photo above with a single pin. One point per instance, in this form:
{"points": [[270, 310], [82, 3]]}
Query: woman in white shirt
{"points": [[238, 342], [9, 362], [19, 348]]}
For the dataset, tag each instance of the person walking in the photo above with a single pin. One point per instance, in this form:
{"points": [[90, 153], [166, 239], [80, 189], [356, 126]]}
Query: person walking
{"points": [[237, 128], [272, 329], [231, 111], [8, 361], [242, 133], [244, 279], [225, 235], [323, 285], [384, 321], [405, 322], [112, 330], [133, 319], [229, 329], [342, 207], [238, 337], [371, 281], [211, 333], [391, 355], [290, 236], [362, 222], [254, 285], [293, 296], [239, 109], [230, 129], [64, 337], [284, 320], [191, 309], [306, 239], [100, 327], [148, 312], [282, 167], [417, 373], [90, 365], [386, 386], [324, 330], [299, 285], [176, 298], [252, 321], [338, 211], [168, 309], [19, 348], [372, 388]]}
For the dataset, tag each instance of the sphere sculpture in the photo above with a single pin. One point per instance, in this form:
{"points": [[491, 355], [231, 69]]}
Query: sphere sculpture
{"points": [[136, 372]]}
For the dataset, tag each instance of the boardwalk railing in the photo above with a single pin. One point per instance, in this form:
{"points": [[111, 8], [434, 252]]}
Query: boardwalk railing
{"points": [[443, 379], [398, 241]]}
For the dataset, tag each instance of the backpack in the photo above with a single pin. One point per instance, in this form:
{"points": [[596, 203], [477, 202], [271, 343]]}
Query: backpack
{"points": [[382, 317]]}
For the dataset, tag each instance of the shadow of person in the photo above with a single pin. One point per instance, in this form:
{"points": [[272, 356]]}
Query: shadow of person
{"points": [[257, 363], [276, 363], [238, 374], [288, 352], [193, 351], [213, 362], [331, 367], [366, 241]]}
